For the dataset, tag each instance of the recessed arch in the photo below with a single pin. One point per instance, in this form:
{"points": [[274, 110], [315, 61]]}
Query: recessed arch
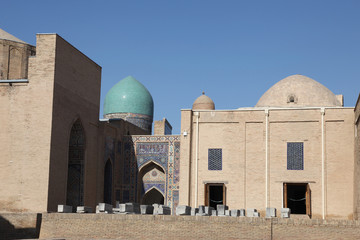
{"points": [[151, 176], [149, 163], [76, 157], [153, 196], [108, 173]]}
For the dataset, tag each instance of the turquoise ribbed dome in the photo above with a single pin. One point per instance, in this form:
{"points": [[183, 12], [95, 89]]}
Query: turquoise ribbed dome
{"points": [[129, 96]]}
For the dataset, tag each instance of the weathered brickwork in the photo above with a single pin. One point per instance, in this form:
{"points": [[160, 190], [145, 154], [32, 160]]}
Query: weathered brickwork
{"points": [[357, 161], [103, 226]]}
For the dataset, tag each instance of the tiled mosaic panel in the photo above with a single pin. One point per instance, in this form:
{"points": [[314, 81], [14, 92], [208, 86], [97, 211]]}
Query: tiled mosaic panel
{"points": [[152, 151], [164, 150], [154, 179], [177, 164], [295, 156], [215, 159]]}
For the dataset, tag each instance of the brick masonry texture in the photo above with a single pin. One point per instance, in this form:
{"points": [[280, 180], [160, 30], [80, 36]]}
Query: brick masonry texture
{"points": [[103, 226]]}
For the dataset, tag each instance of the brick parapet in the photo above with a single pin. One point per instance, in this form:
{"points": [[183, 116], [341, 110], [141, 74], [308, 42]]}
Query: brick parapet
{"points": [[183, 227]]}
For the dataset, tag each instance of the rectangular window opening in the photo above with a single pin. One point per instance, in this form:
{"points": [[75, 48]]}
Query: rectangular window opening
{"points": [[215, 159], [295, 156]]}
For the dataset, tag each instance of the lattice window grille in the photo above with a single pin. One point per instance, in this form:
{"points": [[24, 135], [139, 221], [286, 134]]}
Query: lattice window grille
{"points": [[215, 159], [295, 156]]}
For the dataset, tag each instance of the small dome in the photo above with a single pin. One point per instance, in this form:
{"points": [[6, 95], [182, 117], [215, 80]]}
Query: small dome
{"points": [[298, 91], [129, 96], [203, 103]]}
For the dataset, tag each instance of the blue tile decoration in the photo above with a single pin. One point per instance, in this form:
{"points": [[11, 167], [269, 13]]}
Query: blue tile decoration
{"points": [[163, 150]]}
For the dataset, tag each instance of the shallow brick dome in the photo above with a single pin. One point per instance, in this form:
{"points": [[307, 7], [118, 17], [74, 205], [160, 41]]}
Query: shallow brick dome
{"points": [[298, 91], [203, 103]]}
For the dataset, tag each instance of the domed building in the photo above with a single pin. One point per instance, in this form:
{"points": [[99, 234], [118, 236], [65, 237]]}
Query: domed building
{"points": [[298, 148], [131, 101], [294, 149], [299, 91], [203, 103]]}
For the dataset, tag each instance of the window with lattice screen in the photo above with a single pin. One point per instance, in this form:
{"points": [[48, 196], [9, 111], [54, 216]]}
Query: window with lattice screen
{"points": [[215, 159], [295, 156]]}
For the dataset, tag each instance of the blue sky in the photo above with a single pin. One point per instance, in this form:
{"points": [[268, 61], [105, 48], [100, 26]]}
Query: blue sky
{"points": [[233, 50]]}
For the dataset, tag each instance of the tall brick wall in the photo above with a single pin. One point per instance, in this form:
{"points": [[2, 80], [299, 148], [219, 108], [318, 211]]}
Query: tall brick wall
{"points": [[113, 226], [357, 161]]}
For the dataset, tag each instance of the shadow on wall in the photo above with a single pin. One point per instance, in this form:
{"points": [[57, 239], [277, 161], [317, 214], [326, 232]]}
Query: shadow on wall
{"points": [[9, 231]]}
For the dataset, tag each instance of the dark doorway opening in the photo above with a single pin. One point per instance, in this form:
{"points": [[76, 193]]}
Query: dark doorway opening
{"points": [[214, 194], [153, 196], [108, 182], [297, 198]]}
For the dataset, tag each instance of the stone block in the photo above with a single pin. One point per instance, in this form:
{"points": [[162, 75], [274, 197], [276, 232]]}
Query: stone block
{"points": [[235, 212], [242, 212], [221, 209], [270, 212], [146, 209], [251, 212], [194, 211], [285, 212], [64, 209], [83, 209], [133, 208], [105, 208], [163, 210], [156, 207], [227, 213], [202, 211], [214, 213], [208, 210], [183, 210]]}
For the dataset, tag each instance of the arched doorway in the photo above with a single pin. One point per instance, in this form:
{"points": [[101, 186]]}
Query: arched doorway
{"points": [[108, 182], [152, 196], [151, 184], [75, 179]]}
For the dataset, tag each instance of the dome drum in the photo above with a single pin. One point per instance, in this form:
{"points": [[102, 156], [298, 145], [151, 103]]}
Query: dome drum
{"points": [[142, 121]]}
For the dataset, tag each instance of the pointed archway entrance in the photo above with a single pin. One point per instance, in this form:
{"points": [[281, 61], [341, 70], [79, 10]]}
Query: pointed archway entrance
{"points": [[153, 196], [151, 184], [75, 178]]}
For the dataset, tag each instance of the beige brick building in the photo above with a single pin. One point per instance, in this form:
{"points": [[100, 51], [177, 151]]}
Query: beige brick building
{"points": [[297, 148], [294, 149]]}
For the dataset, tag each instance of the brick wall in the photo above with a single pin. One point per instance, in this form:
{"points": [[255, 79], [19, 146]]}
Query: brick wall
{"points": [[186, 227]]}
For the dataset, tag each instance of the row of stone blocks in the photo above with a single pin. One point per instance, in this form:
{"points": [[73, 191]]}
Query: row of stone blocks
{"points": [[223, 210], [121, 208]]}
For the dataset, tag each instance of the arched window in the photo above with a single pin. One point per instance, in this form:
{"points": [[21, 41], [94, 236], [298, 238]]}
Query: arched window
{"points": [[292, 98], [108, 182], [75, 179]]}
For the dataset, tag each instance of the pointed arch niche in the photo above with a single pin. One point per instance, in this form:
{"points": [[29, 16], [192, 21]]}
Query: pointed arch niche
{"points": [[152, 181], [75, 178], [108, 182]]}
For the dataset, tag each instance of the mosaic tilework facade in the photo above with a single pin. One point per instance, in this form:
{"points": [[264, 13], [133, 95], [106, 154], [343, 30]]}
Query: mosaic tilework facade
{"points": [[154, 179], [139, 151]]}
